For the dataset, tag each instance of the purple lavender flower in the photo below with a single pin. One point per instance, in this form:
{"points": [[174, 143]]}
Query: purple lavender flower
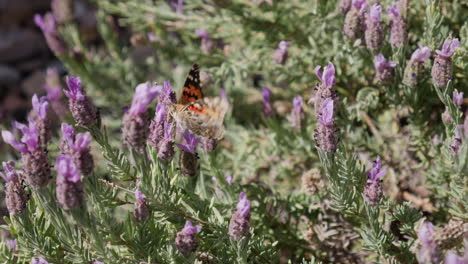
{"points": [[69, 189], [135, 122], [457, 98], [398, 34], [281, 53], [185, 239], [326, 133], [49, 29], [457, 139], [267, 107], [77, 146], [453, 258], [297, 116], [34, 159], [40, 107], [15, 195], [374, 33], [188, 160], [239, 226], [384, 69], [176, 5], [442, 69], [207, 43], [156, 129], [373, 190], [167, 95], [166, 145], [354, 20], [414, 71], [428, 251], [325, 88], [40, 260], [141, 208], [191, 142], [447, 117], [82, 108]]}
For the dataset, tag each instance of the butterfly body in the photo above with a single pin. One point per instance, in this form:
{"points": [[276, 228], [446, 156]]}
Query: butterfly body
{"points": [[202, 116]]}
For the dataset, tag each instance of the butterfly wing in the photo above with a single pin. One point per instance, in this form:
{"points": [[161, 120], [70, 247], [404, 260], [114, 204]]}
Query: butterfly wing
{"points": [[204, 117], [191, 92]]}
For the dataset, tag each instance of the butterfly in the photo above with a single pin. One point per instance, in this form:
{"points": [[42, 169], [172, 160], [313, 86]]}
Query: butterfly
{"points": [[203, 116]]}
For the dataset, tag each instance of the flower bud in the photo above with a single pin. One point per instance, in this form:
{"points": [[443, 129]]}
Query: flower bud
{"points": [[384, 69], [82, 108], [69, 189], [442, 68], [398, 33], [281, 53], [354, 20], [49, 28], [373, 190], [141, 208], [15, 195], [374, 33], [325, 135], [414, 71]]}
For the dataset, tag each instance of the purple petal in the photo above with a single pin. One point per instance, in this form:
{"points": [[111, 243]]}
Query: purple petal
{"points": [[329, 75], [145, 93], [318, 73], [67, 168], [82, 141], [326, 117], [40, 106], [9, 138], [139, 196]]}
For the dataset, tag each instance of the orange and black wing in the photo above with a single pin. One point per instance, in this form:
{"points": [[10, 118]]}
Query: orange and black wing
{"points": [[191, 92]]}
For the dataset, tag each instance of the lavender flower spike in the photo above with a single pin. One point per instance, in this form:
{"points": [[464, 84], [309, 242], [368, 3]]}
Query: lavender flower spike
{"points": [[414, 71], [239, 226], [297, 116], [281, 53], [166, 145], [185, 239], [354, 20], [15, 195], [82, 108], [373, 190], [374, 33], [49, 29], [398, 34], [325, 88], [156, 129], [40, 107], [188, 160], [141, 208], [384, 69], [77, 146], [267, 107], [442, 69], [135, 123], [428, 251], [167, 95], [457, 98], [69, 189], [34, 158], [457, 139], [326, 134]]}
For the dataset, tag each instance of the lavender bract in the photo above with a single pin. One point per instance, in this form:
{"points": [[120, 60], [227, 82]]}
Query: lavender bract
{"points": [[281, 53], [239, 226], [374, 33], [325, 89], [442, 69], [49, 28], [69, 189], [82, 108], [414, 71], [15, 195], [458, 98], [384, 69], [185, 239], [373, 189], [325, 134], [166, 145], [135, 122], [77, 146]]}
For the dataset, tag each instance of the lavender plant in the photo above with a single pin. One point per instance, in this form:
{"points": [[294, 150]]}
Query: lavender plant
{"points": [[364, 160]]}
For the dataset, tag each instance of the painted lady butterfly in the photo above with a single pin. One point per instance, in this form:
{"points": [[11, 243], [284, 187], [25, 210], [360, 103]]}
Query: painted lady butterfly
{"points": [[202, 116]]}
